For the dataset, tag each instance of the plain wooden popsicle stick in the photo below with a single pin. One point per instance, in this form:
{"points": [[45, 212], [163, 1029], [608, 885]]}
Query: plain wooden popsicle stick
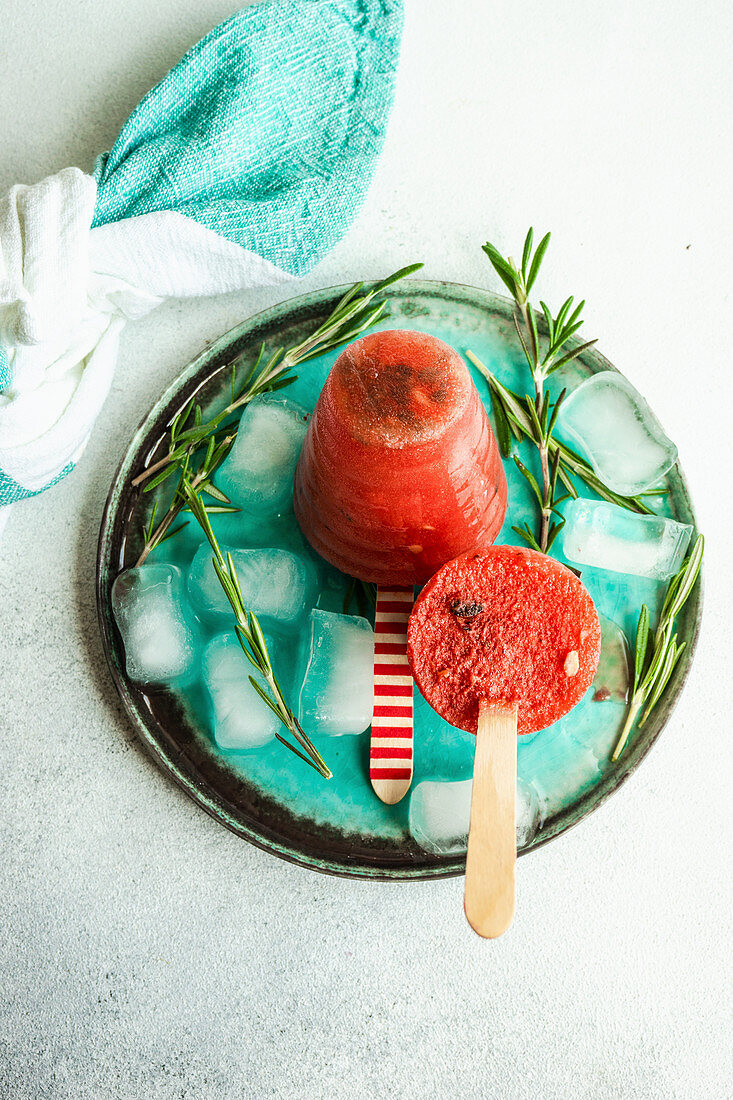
{"points": [[492, 846]]}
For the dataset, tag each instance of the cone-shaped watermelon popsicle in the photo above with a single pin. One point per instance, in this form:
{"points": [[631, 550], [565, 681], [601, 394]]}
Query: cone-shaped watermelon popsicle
{"points": [[501, 641], [400, 471]]}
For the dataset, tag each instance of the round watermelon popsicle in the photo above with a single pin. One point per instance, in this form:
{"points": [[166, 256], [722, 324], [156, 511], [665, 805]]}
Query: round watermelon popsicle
{"points": [[508, 626], [501, 641], [400, 471]]}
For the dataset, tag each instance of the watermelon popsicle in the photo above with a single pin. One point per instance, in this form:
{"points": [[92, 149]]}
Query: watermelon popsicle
{"points": [[399, 471], [502, 641]]}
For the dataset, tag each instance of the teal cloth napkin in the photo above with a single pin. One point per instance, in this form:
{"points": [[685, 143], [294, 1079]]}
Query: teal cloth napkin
{"points": [[267, 131], [243, 166]]}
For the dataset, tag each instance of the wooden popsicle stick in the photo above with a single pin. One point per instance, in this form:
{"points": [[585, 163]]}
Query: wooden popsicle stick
{"points": [[391, 748], [492, 847]]}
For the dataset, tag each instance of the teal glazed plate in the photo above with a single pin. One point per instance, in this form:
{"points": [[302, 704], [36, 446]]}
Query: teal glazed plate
{"points": [[267, 795]]}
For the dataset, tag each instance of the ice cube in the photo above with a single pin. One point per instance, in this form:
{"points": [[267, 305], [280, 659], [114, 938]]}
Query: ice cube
{"points": [[149, 607], [241, 720], [608, 537], [529, 813], [612, 675], [258, 472], [557, 765], [337, 695], [277, 585], [611, 424], [590, 734], [440, 812]]}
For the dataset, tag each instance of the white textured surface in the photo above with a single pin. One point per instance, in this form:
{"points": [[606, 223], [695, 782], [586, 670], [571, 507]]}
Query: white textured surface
{"points": [[146, 953]]}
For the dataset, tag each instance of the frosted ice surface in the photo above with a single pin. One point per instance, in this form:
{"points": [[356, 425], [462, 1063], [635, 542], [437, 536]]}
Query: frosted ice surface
{"points": [[608, 537], [277, 585], [258, 472], [529, 813], [558, 766], [337, 694], [612, 675], [611, 424], [594, 727], [440, 812], [241, 719], [149, 608]]}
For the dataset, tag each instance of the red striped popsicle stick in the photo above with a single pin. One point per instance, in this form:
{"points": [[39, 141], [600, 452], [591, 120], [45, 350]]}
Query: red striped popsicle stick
{"points": [[390, 763]]}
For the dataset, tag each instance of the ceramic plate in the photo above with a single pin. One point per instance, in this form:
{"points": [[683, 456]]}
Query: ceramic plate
{"points": [[268, 796]]}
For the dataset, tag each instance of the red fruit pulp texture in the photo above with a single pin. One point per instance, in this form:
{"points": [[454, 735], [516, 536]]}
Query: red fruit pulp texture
{"points": [[400, 471], [508, 625]]}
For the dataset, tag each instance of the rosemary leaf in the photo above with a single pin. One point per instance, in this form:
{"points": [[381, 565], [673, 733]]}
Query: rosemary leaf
{"points": [[562, 313], [642, 639], [147, 530], [526, 534], [502, 268], [571, 355], [211, 490], [159, 478], [530, 479], [576, 312], [501, 423], [527, 251], [534, 337], [244, 643], [173, 531], [652, 672], [403, 273], [555, 411], [537, 261], [549, 322], [522, 341], [263, 695], [221, 509]]}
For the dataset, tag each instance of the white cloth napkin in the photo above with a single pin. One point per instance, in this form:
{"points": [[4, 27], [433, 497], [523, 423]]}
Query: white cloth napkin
{"points": [[66, 290]]}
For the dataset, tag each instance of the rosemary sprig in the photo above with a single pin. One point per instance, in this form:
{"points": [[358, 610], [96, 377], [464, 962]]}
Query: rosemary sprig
{"points": [[654, 663], [354, 313], [251, 638], [513, 416], [519, 280], [200, 480]]}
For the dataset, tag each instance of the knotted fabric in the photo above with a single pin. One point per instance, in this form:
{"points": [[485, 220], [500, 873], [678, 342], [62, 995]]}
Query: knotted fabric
{"points": [[242, 168]]}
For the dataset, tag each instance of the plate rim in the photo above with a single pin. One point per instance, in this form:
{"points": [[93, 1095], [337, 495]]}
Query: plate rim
{"points": [[210, 801]]}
